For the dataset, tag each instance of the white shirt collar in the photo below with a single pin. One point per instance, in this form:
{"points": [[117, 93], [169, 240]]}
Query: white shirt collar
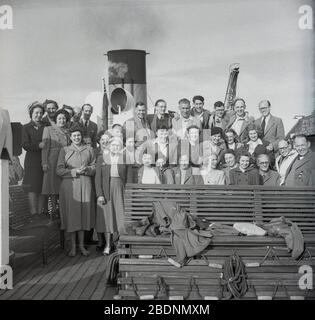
{"points": [[156, 141]]}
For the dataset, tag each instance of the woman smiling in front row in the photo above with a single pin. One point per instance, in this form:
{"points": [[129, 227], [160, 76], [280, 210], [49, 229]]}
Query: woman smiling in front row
{"points": [[76, 166]]}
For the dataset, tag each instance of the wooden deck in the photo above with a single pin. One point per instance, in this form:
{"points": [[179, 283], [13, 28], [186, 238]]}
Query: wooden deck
{"points": [[64, 278]]}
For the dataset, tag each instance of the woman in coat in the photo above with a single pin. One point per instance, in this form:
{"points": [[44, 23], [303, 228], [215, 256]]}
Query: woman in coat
{"points": [[244, 174], [55, 137], [76, 167], [110, 180], [32, 144], [230, 137]]}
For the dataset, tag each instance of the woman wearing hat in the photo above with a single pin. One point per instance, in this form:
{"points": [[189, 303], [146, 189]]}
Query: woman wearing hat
{"points": [[110, 180], [32, 144], [76, 167], [55, 137]]}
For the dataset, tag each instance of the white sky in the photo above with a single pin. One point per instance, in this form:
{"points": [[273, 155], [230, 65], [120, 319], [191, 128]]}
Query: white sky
{"points": [[56, 51]]}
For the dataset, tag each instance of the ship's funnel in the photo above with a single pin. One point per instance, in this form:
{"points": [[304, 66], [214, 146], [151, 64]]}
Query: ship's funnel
{"points": [[126, 82]]}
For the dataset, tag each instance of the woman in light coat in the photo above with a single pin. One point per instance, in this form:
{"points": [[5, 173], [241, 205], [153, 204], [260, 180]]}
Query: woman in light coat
{"points": [[76, 167]]}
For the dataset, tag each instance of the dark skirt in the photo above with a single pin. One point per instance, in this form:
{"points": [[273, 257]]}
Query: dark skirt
{"points": [[110, 217], [33, 179]]}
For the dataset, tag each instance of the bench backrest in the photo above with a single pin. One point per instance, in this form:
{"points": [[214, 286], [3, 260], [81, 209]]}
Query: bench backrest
{"points": [[227, 204]]}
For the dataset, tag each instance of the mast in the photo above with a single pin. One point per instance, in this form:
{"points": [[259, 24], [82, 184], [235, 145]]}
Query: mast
{"points": [[231, 88]]}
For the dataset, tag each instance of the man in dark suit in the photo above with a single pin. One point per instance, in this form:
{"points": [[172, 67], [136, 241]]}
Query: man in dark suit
{"points": [[160, 118], [272, 127], [302, 171], [240, 119], [89, 125]]}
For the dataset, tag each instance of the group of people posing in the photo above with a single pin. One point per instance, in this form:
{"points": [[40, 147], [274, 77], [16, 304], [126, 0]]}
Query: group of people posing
{"points": [[83, 170]]}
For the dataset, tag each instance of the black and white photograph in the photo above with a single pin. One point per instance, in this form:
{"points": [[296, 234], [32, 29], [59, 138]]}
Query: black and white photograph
{"points": [[157, 151]]}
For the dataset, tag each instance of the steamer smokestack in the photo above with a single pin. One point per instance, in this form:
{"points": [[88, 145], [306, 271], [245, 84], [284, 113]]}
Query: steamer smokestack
{"points": [[127, 82]]}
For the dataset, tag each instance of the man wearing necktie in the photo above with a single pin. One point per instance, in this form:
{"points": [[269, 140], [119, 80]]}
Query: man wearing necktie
{"points": [[240, 119], [90, 127], [285, 159], [272, 127], [302, 171]]}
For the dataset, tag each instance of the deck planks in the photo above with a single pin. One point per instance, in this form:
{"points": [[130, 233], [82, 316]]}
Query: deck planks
{"points": [[63, 278]]}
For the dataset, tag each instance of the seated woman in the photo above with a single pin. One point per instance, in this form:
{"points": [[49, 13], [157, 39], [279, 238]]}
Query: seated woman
{"points": [[244, 174], [209, 172], [255, 144], [230, 137], [76, 167], [148, 174], [110, 180], [183, 173], [229, 163]]}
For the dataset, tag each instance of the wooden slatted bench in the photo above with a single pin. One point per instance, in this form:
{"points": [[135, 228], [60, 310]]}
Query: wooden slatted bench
{"points": [[142, 259], [22, 225]]}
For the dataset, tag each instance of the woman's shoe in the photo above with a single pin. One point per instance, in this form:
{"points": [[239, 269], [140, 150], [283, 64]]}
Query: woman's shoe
{"points": [[71, 253], [106, 251], [85, 252]]}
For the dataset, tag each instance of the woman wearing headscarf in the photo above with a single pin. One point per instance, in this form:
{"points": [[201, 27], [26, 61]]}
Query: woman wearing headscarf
{"points": [[55, 137], [76, 167], [32, 134], [110, 180]]}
